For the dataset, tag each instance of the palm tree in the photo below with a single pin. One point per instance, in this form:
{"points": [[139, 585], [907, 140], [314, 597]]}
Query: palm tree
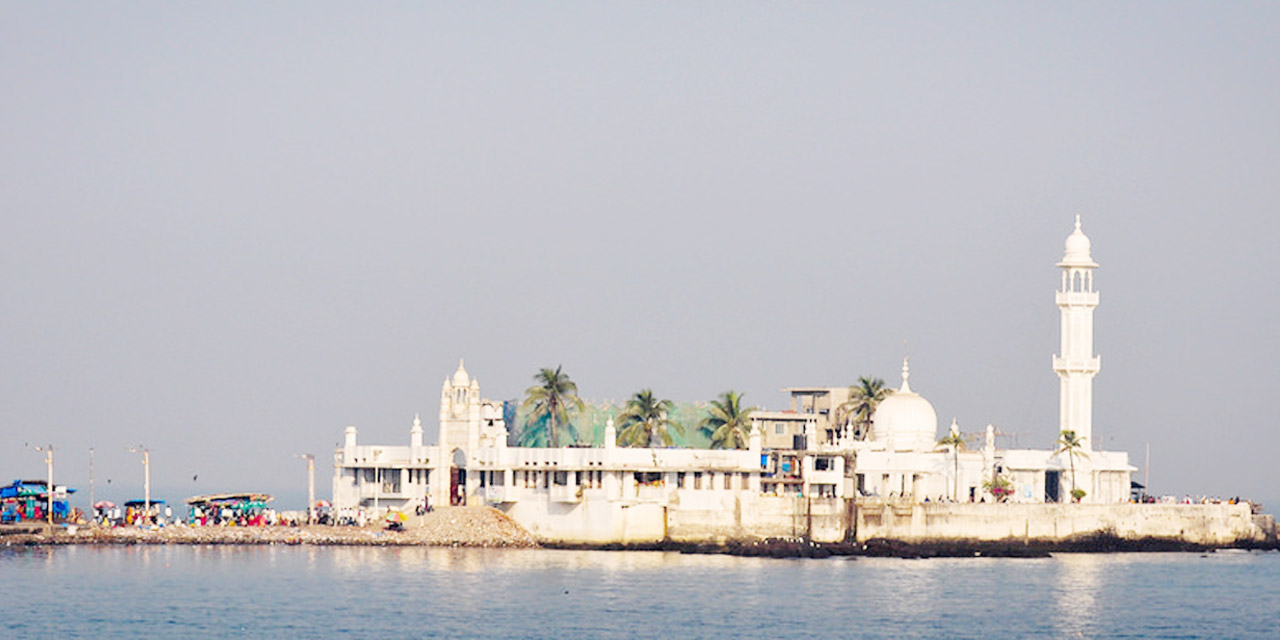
{"points": [[1073, 446], [727, 423], [644, 421], [864, 397], [956, 442], [551, 403]]}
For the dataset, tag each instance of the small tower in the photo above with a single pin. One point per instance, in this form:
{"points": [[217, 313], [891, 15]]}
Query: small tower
{"points": [[415, 434], [1076, 365], [459, 431]]}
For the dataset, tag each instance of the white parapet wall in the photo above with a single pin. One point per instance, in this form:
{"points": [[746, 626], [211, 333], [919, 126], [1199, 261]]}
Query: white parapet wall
{"points": [[719, 517], [683, 516], [1212, 524]]}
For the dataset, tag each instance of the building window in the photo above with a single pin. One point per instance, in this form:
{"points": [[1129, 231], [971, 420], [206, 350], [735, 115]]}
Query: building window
{"points": [[779, 429], [822, 463]]}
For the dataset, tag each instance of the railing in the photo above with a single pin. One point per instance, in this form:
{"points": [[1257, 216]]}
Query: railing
{"points": [[387, 490], [565, 493], [495, 494], [651, 493], [1078, 297]]}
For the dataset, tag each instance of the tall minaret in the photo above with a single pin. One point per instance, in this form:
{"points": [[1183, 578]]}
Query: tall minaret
{"points": [[1076, 366]]}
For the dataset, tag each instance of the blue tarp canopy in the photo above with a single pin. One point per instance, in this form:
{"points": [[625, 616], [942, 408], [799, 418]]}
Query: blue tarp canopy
{"points": [[142, 503], [26, 488]]}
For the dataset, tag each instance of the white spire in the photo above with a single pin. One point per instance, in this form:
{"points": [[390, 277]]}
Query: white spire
{"points": [[415, 434], [460, 377], [1078, 249], [906, 375]]}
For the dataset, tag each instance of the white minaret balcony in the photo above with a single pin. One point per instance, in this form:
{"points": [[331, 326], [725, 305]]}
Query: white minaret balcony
{"points": [[1078, 365], [1077, 298]]}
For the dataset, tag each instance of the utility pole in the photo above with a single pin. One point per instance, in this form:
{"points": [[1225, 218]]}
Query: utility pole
{"points": [[48, 488], [92, 516], [146, 479], [1146, 474], [311, 486]]}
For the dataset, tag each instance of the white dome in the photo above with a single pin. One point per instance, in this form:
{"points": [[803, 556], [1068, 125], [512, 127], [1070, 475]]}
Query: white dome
{"points": [[906, 418], [1078, 248], [460, 377]]}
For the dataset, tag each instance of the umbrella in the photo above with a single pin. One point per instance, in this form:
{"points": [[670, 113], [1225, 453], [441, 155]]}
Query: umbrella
{"points": [[398, 515], [104, 504], [323, 503]]}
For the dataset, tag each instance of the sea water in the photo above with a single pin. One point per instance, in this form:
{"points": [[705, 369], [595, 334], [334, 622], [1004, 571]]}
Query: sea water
{"points": [[417, 592]]}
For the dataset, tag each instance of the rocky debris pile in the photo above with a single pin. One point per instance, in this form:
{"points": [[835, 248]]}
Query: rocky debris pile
{"points": [[469, 527], [457, 527]]}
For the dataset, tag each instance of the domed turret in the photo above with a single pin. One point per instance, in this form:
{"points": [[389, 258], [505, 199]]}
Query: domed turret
{"points": [[906, 418], [1078, 249], [460, 377]]}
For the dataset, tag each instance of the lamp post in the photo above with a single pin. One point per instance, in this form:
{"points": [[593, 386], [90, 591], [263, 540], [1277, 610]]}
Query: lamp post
{"points": [[93, 516], [311, 486], [48, 488], [146, 478]]}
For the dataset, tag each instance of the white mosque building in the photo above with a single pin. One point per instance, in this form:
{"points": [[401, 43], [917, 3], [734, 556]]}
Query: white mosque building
{"points": [[826, 485], [902, 459]]}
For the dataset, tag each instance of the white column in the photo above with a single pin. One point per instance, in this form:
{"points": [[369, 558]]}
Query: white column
{"points": [[1076, 365]]}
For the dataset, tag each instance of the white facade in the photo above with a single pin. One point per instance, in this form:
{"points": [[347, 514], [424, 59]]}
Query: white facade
{"points": [[615, 494]]}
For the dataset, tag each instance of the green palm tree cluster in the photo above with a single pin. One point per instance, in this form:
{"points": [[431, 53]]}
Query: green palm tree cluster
{"points": [[551, 404], [645, 421], [1072, 445], [728, 423], [864, 397]]}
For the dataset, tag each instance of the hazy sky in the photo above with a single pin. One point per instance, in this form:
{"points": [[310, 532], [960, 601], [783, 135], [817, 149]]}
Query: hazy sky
{"points": [[229, 231]]}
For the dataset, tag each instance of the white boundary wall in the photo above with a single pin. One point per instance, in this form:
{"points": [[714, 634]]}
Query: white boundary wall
{"points": [[1212, 524]]}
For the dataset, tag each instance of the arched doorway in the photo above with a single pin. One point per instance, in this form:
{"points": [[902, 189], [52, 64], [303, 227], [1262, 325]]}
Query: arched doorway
{"points": [[458, 479]]}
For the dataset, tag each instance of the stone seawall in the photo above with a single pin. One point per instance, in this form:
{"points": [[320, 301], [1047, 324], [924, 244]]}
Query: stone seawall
{"points": [[1207, 524], [745, 517]]}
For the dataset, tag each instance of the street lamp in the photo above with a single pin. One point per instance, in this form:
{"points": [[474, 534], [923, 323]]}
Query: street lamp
{"points": [[146, 480], [48, 488], [93, 519], [311, 485]]}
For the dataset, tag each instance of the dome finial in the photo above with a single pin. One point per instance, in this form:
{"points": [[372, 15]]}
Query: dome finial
{"points": [[460, 377], [906, 374], [1078, 249]]}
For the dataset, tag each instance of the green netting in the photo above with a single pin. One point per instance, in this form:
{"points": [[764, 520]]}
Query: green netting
{"points": [[590, 424]]}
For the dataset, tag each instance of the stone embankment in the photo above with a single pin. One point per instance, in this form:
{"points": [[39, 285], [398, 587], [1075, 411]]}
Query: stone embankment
{"points": [[457, 527]]}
